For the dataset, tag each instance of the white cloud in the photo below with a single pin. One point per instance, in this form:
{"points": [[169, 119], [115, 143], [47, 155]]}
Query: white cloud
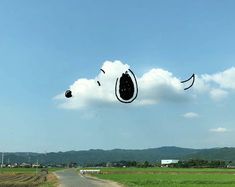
{"points": [[200, 86], [190, 115], [217, 86], [224, 79], [155, 86], [159, 85], [218, 94], [86, 92], [219, 130]]}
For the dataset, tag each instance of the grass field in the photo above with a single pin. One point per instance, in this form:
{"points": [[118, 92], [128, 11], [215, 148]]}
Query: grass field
{"points": [[23, 177], [170, 177]]}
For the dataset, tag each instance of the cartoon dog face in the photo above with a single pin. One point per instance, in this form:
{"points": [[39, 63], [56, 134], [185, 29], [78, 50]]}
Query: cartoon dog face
{"points": [[126, 86]]}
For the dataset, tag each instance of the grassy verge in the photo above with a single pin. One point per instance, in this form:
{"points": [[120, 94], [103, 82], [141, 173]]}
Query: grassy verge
{"points": [[169, 177], [52, 181]]}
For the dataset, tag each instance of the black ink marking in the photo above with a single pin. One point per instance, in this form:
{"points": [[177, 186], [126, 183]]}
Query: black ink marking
{"points": [[102, 71], [99, 81], [192, 77], [68, 93], [126, 88]]}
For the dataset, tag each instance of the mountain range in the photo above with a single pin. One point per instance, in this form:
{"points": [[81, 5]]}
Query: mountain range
{"points": [[95, 156]]}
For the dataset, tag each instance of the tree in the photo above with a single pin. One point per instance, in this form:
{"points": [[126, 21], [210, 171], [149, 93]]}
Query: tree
{"points": [[146, 164]]}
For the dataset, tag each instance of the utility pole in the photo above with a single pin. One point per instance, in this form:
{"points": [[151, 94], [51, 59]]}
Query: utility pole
{"points": [[37, 168], [2, 159]]}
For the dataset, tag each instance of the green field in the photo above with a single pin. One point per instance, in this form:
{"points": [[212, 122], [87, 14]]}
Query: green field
{"points": [[170, 177], [23, 177]]}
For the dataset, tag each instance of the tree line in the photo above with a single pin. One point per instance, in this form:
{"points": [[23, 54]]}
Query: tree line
{"points": [[192, 163], [197, 163]]}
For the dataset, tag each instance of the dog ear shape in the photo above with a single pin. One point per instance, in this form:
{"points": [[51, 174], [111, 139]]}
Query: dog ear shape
{"points": [[192, 77]]}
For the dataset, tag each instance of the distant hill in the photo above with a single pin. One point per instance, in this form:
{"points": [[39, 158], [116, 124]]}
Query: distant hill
{"points": [[95, 156]]}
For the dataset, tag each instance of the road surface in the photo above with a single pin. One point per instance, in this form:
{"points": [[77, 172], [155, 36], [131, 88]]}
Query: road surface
{"points": [[71, 178]]}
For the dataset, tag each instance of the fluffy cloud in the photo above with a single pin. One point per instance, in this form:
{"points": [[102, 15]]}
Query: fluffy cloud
{"points": [[190, 115], [218, 94], [224, 80], [86, 92], [159, 85], [217, 85], [219, 130], [156, 85]]}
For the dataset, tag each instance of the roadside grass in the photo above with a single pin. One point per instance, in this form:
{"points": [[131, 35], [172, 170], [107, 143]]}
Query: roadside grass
{"points": [[169, 177], [52, 181], [158, 169]]}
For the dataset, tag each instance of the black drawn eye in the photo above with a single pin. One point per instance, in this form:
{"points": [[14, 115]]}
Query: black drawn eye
{"points": [[98, 82], [126, 87]]}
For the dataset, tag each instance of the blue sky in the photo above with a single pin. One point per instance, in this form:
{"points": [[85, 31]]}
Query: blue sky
{"points": [[45, 46]]}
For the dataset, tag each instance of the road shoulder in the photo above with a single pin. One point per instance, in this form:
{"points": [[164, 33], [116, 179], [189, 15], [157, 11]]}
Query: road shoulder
{"points": [[103, 182]]}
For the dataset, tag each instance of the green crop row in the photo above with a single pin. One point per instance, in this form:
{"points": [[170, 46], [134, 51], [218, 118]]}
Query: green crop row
{"points": [[170, 177]]}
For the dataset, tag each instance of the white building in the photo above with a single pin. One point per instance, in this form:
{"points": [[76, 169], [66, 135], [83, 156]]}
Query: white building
{"points": [[90, 171], [168, 162], [35, 165]]}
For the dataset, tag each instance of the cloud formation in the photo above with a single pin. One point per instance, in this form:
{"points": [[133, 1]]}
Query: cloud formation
{"points": [[217, 85], [190, 115], [225, 79], [218, 94], [219, 130], [156, 85]]}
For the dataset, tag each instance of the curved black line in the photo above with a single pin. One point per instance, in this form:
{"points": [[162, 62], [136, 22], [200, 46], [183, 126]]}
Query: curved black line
{"points": [[135, 84], [102, 71], [136, 90], [99, 81], [188, 78], [193, 76], [116, 91]]}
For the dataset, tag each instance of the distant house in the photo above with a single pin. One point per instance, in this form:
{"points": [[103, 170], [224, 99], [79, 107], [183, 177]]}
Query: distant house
{"points": [[3, 165], [25, 165], [109, 164], [230, 166], [166, 163], [15, 165]]}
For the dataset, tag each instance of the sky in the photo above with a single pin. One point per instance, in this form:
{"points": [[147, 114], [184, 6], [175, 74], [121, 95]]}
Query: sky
{"points": [[47, 47]]}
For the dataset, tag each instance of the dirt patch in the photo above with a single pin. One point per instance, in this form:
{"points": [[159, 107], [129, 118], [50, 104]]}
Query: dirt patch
{"points": [[21, 180]]}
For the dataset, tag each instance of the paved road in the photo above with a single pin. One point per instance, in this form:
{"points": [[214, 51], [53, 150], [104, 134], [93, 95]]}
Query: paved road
{"points": [[71, 178]]}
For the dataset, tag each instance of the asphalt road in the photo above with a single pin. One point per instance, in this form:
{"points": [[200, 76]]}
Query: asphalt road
{"points": [[71, 178]]}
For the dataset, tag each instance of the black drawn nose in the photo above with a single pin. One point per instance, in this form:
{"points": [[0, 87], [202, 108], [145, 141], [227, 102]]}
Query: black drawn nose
{"points": [[68, 93]]}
